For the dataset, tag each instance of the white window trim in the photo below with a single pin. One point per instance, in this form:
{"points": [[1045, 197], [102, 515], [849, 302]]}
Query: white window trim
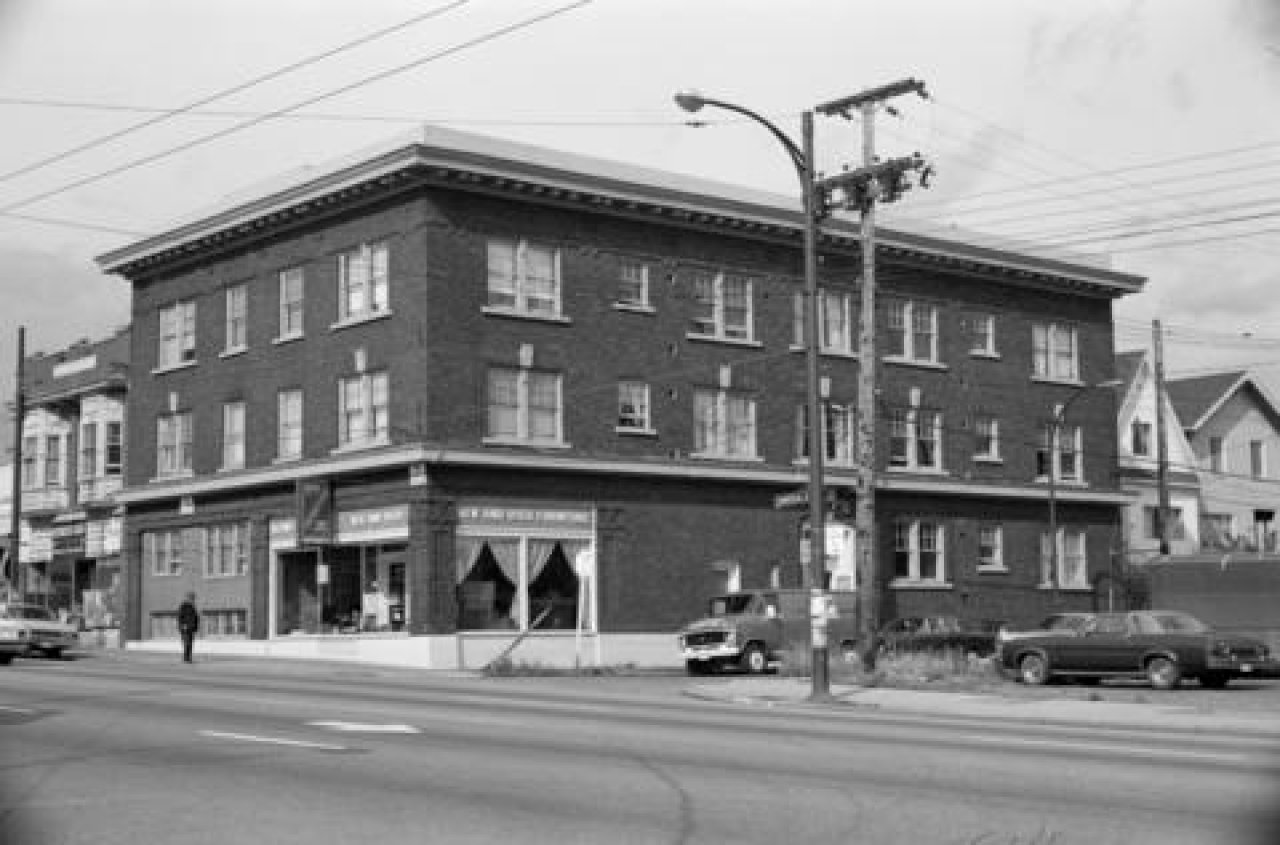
{"points": [[374, 306], [176, 350], [211, 535], [643, 303], [181, 453], [282, 280], [231, 460], [720, 425], [520, 286], [914, 549], [646, 426], [1056, 436], [989, 320], [522, 437], [997, 563], [1060, 539], [848, 409], [719, 328], [238, 292], [911, 355], [282, 456], [913, 437], [800, 319], [1048, 334], [369, 438], [994, 456]]}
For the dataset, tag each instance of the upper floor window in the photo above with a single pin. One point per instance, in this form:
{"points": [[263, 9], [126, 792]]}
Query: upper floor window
{"points": [[1215, 454], [633, 407], [177, 334], [1064, 463], [918, 551], [1140, 435], [724, 424], [291, 292], [1072, 569], [838, 433], [30, 463], [53, 461], [1055, 351], [835, 321], [88, 451], [912, 331], [363, 409], [722, 304], [237, 317], [1257, 459], [113, 449], [980, 329], [633, 283], [524, 277], [915, 437], [363, 275], [289, 425], [163, 552], [525, 406], [173, 444], [233, 435], [990, 547], [986, 434]]}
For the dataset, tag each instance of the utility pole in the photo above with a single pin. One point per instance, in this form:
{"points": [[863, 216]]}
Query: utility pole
{"points": [[874, 182], [1162, 442], [15, 513]]}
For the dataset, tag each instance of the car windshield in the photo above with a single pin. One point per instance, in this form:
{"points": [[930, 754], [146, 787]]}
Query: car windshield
{"points": [[728, 605], [26, 611], [1065, 622], [1173, 623]]}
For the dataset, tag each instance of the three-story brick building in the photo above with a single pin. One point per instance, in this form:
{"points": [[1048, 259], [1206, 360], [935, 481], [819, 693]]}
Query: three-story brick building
{"points": [[454, 389]]}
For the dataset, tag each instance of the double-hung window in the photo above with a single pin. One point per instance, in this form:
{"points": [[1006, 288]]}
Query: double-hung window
{"points": [[1055, 351], [838, 433], [524, 277], [915, 438], [633, 407], [291, 293], [53, 461], [1140, 437], [237, 300], [990, 548], [918, 552], [233, 435], [525, 407], [633, 283], [1072, 570], [173, 444], [177, 335], [113, 449], [986, 436], [1065, 462], [912, 331], [226, 550], [723, 307], [30, 463], [289, 425], [835, 321], [363, 281], [980, 329], [363, 409], [88, 451], [1257, 459], [724, 424], [163, 552]]}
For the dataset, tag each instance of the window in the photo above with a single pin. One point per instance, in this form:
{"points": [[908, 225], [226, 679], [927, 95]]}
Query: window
{"points": [[633, 283], [1217, 530], [226, 550], [289, 425], [986, 434], [291, 292], [524, 278], [233, 435], [1055, 352], [1140, 434], [915, 438], [113, 447], [1215, 454], [363, 404], [516, 583], [1068, 466], [1151, 523], [722, 305], [990, 548], [164, 553], [224, 623], [835, 319], [918, 551], [177, 334], [912, 331], [981, 332], [1073, 570], [724, 424], [838, 433], [524, 406], [88, 451], [363, 281], [1257, 458], [237, 317], [53, 461], [173, 444], [633, 406]]}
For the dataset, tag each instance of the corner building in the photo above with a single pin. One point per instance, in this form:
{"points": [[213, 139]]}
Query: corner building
{"points": [[453, 390]]}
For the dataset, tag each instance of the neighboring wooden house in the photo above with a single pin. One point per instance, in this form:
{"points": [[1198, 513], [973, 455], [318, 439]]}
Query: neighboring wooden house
{"points": [[1138, 464], [1233, 426]]}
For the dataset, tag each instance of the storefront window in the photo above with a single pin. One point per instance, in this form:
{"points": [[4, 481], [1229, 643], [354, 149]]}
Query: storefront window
{"points": [[519, 583], [344, 590]]}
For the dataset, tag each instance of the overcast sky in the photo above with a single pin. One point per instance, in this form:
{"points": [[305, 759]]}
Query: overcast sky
{"points": [[1148, 131]]}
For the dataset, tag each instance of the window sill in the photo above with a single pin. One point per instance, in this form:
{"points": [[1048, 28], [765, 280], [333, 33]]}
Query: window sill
{"points": [[728, 341], [827, 463], [288, 338], [993, 569], [360, 446], [360, 319], [1064, 588], [526, 444], [290, 459], [988, 459], [1074, 484], [517, 314], [827, 352], [226, 469], [907, 584], [170, 368], [711, 456], [1069, 382], [634, 308], [636, 432], [233, 351], [175, 476], [913, 362], [986, 356], [937, 471]]}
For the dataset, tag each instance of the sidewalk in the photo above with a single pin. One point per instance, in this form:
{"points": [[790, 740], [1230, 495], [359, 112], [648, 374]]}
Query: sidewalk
{"points": [[1060, 711]]}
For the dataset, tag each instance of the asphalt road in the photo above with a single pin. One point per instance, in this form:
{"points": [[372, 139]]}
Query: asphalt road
{"points": [[132, 752]]}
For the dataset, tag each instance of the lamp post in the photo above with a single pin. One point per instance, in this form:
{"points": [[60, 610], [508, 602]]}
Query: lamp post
{"points": [[815, 576]]}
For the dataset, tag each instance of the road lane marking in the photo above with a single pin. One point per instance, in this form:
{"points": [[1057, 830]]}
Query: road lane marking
{"points": [[357, 727], [22, 710], [274, 740], [1110, 748]]}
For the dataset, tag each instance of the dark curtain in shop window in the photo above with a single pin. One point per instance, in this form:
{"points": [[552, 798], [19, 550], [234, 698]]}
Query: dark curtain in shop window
{"points": [[486, 594]]}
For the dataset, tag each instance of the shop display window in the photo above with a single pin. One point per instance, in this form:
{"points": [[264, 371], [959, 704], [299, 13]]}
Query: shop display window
{"points": [[519, 583]]}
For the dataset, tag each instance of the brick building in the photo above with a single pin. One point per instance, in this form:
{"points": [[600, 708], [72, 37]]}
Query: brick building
{"points": [[398, 405]]}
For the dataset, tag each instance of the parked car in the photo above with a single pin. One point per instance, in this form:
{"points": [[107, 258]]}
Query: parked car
{"points": [[11, 645], [751, 629], [1163, 646], [940, 633], [1067, 623], [37, 629]]}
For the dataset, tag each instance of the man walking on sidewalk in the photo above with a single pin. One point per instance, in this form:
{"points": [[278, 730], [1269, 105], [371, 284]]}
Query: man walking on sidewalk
{"points": [[188, 624]]}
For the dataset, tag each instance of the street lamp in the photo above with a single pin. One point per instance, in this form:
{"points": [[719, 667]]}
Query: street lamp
{"points": [[815, 576]]}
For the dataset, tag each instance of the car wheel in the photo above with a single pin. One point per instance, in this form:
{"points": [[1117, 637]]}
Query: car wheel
{"points": [[53, 653], [6, 659], [1214, 680], [1033, 669], [754, 661], [697, 667], [1163, 673]]}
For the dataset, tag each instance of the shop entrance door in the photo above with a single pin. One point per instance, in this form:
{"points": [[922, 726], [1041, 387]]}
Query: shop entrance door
{"points": [[299, 594]]}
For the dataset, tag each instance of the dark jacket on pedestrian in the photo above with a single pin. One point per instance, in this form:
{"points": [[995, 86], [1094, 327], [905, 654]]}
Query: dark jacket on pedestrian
{"points": [[188, 617]]}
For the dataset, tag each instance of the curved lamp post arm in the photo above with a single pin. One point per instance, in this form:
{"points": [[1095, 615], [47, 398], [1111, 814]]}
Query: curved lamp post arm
{"points": [[692, 102]]}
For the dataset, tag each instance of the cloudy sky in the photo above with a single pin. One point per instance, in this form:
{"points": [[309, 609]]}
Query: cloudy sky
{"points": [[1148, 130]]}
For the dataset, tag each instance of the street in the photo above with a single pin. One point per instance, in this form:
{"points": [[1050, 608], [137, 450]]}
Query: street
{"points": [[120, 751]]}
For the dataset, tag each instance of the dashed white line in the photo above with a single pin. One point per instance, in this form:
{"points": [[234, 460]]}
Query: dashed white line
{"points": [[273, 740], [22, 710]]}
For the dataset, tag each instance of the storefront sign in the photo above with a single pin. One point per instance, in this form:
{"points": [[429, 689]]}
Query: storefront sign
{"points": [[315, 512], [69, 539], [282, 533], [519, 517], [389, 523]]}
